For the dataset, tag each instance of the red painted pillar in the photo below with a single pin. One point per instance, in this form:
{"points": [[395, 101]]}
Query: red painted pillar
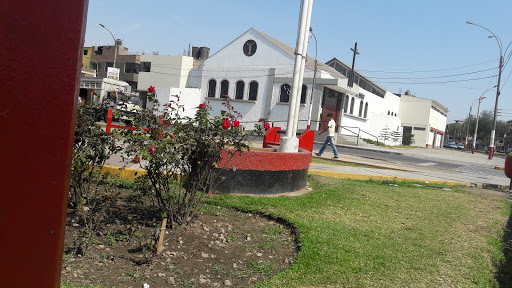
{"points": [[42, 43]]}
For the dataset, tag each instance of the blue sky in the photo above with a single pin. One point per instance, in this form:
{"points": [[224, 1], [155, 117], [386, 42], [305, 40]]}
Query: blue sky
{"points": [[404, 45]]}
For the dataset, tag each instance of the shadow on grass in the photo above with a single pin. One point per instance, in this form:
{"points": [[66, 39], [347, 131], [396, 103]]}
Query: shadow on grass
{"points": [[504, 274]]}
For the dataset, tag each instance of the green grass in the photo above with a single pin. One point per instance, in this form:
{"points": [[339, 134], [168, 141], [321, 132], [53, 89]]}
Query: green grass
{"points": [[371, 234]]}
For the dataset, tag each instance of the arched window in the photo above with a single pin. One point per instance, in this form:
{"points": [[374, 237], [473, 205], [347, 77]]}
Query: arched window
{"points": [[212, 87], [284, 96], [360, 109], [253, 90], [366, 110], [352, 106], [239, 93], [345, 108], [389, 112], [303, 94], [224, 88]]}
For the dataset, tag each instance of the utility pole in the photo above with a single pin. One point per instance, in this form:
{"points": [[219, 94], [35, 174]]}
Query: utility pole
{"points": [[352, 73], [290, 143]]}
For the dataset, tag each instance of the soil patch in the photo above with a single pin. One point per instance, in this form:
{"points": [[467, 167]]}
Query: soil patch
{"points": [[222, 247]]}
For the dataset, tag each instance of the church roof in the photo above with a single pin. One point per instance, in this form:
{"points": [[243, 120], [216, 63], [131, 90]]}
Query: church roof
{"points": [[310, 62]]}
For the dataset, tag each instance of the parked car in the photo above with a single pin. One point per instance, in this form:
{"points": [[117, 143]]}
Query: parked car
{"points": [[451, 145], [460, 145], [124, 106]]}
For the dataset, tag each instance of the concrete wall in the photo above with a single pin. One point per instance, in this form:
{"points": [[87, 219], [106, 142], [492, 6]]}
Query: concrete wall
{"points": [[166, 71], [190, 98], [377, 115]]}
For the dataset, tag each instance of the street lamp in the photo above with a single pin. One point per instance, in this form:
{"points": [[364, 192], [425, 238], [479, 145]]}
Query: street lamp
{"points": [[115, 45], [478, 116], [314, 79], [469, 122], [498, 40]]}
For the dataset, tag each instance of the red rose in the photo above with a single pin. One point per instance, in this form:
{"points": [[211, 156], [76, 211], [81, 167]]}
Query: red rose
{"points": [[172, 136], [136, 159], [151, 89], [266, 125], [152, 149], [201, 106], [226, 124], [236, 123]]}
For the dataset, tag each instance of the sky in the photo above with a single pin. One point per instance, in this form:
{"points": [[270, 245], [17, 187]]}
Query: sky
{"points": [[422, 46]]}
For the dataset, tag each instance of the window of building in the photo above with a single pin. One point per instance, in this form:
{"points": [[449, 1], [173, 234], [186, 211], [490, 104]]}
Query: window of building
{"points": [[303, 94], [95, 66], [224, 88], [239, 93], [345, 108], [284, 96], [389, 112], [360, 109], [419, 128], [108, 64], [352, 106], [212, 87], [86, 52], [145, 66], [366, 110], [253, 90], [99, 51], [132, 68]]}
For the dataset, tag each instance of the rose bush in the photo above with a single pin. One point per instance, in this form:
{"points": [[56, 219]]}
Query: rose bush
{"points": [[179, 153]]}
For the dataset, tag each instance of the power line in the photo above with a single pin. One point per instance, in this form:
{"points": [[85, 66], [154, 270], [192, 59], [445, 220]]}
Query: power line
{"points": [[451, 81], [425, 71], [435, 77]]}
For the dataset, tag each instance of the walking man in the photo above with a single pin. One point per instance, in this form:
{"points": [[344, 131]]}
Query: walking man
{"points": [[331, 126]]}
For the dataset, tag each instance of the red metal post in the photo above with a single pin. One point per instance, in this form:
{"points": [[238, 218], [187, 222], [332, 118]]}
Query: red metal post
{"points": [[109, 121], [42, 46]]}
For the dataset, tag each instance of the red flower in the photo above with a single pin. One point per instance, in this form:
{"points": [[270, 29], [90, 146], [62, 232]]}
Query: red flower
{"points": [[236, 123], [169, 105], [226, 124], [201, 106], [172, 136], [136, 159], [151, 89], [266, 125], [152, 149]]}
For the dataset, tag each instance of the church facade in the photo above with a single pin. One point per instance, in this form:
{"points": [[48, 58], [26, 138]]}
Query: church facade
{"points": [[256, 72]]}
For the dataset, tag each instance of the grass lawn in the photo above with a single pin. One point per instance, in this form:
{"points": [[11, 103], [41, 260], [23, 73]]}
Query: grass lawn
{"points": [[373, 234]]}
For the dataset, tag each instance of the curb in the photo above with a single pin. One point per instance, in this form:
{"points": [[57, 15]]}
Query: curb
{"points": [[363, 164], [340, 175], [131, 174]]}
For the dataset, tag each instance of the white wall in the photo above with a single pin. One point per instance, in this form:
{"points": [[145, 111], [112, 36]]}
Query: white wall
{"points": [[166, 71], [190, 98]]}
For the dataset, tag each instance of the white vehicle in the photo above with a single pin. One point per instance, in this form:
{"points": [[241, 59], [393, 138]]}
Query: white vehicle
{"points": [[127, 105]]}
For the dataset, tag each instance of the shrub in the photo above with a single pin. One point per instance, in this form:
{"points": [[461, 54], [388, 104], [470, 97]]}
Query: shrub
{"points": [[179, 153], [92, 148]]}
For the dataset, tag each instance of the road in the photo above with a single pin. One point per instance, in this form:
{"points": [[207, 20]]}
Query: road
{"points": [[424, 159]]}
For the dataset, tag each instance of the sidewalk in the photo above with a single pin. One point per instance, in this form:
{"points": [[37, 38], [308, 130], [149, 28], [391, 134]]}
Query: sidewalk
{"points": [[476, 169], [482, 175]]}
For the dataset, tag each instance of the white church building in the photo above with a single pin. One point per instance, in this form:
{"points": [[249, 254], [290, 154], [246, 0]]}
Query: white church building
{"points": [[256, 72]]}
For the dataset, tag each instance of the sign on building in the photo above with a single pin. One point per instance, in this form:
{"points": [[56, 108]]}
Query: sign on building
{"points": [[113, 73]]}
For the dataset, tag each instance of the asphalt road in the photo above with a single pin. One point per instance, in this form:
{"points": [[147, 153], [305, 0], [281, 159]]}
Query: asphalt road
{"points": [[455, 160]]}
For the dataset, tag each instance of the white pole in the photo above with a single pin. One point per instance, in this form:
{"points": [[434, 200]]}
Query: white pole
{"points": [[302, 64], [290, 143]]}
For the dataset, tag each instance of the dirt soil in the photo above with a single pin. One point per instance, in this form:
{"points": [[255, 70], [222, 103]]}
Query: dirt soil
{"points": [[221, 248]]}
